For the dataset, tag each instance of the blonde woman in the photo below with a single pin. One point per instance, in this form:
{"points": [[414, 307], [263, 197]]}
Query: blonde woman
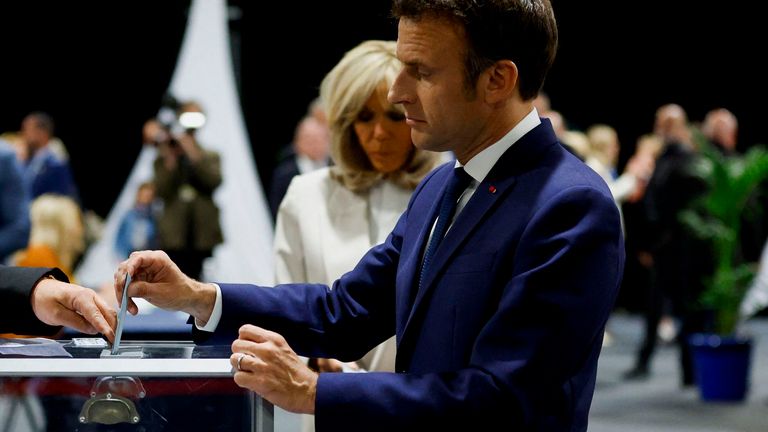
{"points": [[604, 155], [56, 237], [329, 218]]}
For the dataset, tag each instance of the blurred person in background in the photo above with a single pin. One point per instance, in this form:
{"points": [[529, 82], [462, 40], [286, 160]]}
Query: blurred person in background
{"points": [[138, 228], [56, 238], [575, 142], [186, 175], [676, 256], [309, 151], [47, 168], [18, 144], [14, 204], [721, 128], [604, 158]]}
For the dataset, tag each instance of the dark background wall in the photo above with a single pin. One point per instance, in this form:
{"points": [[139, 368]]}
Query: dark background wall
{"points": [[100, 68]]}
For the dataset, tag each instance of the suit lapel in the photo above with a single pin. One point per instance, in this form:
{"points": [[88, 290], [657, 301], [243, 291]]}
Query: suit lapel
{"points": [[410, 279], [470, 217], [497, 184]]}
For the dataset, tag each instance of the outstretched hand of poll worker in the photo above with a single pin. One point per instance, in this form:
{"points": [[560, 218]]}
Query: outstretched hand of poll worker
{"points": [[158, 280], [264, 363], [60, 303]]}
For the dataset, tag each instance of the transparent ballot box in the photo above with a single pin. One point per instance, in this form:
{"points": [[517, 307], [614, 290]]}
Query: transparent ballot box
{"points": [[146, 386]]}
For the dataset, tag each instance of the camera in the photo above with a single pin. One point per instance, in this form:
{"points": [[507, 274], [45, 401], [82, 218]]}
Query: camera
{"points": [[173, 120], [181, 116]]}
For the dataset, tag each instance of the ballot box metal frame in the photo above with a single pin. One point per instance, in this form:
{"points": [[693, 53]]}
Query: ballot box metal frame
{"points": [[160, 359]]}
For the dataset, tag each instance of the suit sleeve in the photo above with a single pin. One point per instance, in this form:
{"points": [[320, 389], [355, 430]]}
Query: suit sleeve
{"points": [[344, 322], [16, 284]]}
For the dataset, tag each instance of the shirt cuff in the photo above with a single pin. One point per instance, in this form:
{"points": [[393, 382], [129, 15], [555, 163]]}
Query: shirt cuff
{"points": [[213, 321]]}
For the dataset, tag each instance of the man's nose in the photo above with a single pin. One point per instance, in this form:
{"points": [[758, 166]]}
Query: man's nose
{"points": [[397, 93]]}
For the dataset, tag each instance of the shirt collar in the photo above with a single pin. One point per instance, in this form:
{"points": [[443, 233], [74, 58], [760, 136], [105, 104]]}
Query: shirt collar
{"points": [[481, 164], [307, 165]]}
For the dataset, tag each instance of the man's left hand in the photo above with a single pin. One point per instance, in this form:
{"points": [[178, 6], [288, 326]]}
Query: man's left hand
{"points": [[263, 362]]}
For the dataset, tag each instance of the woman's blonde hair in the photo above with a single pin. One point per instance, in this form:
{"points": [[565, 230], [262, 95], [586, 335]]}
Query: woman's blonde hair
{"points": [[56, 221], [362, 71], [603, 140]]}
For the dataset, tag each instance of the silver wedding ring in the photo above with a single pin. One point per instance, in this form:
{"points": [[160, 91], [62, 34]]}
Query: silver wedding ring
{"points": [[239, 359]]}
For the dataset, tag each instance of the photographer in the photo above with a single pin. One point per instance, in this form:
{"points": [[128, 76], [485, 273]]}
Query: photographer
{"points": [[186, 176]]}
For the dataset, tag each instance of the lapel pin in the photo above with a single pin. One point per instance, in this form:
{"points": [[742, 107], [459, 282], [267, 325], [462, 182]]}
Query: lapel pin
{"points": [[492, 189]]}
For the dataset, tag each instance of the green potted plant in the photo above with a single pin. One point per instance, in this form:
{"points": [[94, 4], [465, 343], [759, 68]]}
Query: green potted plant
{"points": [[717, 217]]}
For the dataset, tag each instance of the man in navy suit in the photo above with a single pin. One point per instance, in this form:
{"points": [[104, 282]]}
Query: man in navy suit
{"points": [[505, 323], [46, 171]]}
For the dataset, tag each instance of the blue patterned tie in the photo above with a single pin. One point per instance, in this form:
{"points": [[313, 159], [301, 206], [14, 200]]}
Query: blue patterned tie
{"points": [[456, 186]]}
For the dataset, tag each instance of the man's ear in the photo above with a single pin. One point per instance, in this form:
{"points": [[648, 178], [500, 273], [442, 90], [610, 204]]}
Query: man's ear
{"points": [[502, 81]]}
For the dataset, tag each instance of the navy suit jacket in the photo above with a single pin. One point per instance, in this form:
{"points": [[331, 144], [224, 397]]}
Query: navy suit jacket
{"points": [[508, 326], [54, 176], [285, 171]]}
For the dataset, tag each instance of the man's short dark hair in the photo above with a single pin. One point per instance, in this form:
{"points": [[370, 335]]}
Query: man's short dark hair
{"points": [[523, 31], [43, 121]]}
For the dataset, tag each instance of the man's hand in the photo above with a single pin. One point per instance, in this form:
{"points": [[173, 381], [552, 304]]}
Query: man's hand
{"points": [[263, 362], [155, 278], [189, 147], [60, 303]]}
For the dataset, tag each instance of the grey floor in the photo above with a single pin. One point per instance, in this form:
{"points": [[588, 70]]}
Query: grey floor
{"points": [[657, 404]]}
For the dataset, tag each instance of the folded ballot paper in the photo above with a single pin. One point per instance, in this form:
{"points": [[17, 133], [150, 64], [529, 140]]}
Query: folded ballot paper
{"points": [[31, 347]]}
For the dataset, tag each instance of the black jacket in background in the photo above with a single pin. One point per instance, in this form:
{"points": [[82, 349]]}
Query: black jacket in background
{"points": [[16, 315]]}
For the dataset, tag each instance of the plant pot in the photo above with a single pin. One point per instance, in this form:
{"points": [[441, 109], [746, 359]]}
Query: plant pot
{"points": [[722, 365]]}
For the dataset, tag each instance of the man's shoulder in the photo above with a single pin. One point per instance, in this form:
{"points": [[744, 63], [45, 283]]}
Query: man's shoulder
{"points": [[6, 151], [54, 161], [287, 166], [7, 159], [555, 170]]}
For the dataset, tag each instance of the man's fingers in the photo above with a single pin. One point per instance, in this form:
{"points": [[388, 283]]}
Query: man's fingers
{"points": [[238, 361], [110, 316], [140, 289], [258, 334], [258, 342], [120, 276], [72, 319], [246, 362], [133, 309], [128, 267], [245, 346], [90, 308]]}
